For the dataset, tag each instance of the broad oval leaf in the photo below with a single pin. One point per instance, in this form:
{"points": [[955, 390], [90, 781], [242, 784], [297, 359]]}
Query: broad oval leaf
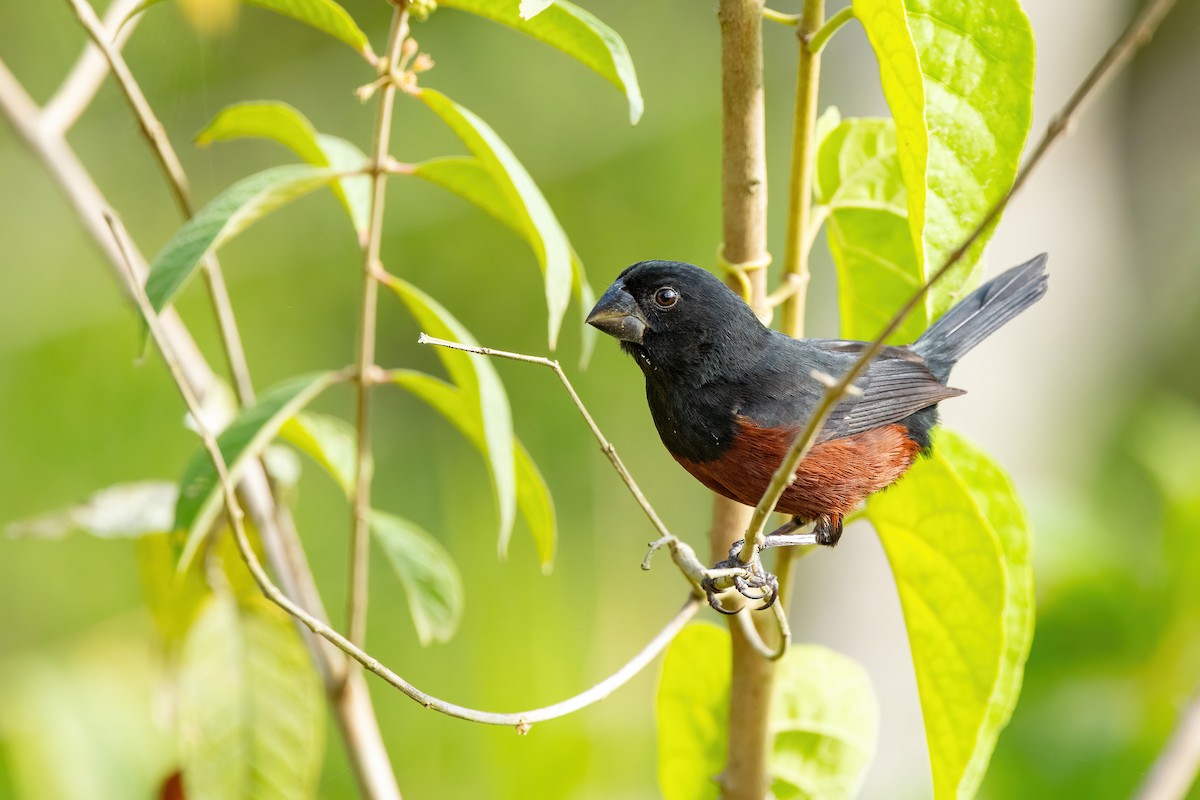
{"points": [[859, 181], [467, 177], [251, 721], [280, 122], [228, 214], [200, 496], [430, 578], [824, 719], [538, 222], [330, 441], [959, 547], [959, 80], [476, 377], [572, 30], [533, 497], [121, 511]]}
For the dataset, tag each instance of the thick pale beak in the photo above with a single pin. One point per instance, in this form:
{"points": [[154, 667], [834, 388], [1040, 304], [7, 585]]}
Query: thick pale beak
{"points": [[618, 315]]}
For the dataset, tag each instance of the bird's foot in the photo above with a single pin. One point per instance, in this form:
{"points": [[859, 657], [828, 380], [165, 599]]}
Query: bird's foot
{"points": [[751, 580]]}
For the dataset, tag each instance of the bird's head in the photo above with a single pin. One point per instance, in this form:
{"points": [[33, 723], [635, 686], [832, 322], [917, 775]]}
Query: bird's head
{"points": [[679, 319]]}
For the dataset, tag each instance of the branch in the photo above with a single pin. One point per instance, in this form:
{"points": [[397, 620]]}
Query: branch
{"points": [[360, 541], [81, 85], [520, 720], [1175, 770], [1135, 36], [168, 159]]}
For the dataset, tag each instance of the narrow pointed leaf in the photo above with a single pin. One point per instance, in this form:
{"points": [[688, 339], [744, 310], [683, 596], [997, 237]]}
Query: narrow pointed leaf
{"points": [[126, 510], [959, 80], [533, 497], [282, 123], [824, 720], [330, 441], [324, 15], [251, 721], [538, 222], [430, 578], [860, 182], [476, 377], [467, 178], [958, 544], [228, 214], [245, 438], [572, 30]]}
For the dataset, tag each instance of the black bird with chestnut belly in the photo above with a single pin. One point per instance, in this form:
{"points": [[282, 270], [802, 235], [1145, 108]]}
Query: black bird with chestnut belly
{"points": [[728, 394]]}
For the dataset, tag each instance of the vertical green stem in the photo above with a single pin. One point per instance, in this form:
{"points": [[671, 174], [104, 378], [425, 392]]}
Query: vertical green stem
{"points": [[361, 539]]}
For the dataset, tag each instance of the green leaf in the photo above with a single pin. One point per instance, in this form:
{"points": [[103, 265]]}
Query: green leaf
{"points": [[251, 721], [959, 80], [533, 497], [824, 719], [572, 30], [538, 222], [282, 123], [959, 546], [330, 441], [324, 15], [200, 498], [859, 181], [482, 390], [430, 579], [692, 712], [227, 215], [125, 510]]}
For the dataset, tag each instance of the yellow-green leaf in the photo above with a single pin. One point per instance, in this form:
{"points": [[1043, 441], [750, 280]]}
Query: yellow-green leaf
{"points": [[537, 221], [572, 30], [280, 122], [227, 215], [533, 497], [824, 720], [200, 497], [430, 579], [324, 15], [251, 712], [959, 546], [330, 441], [482, 390]]}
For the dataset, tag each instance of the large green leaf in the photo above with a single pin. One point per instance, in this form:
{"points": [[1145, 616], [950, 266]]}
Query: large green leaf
{"points": [[959, 547], [824, 720], [280, 122], [537, 221], [533, 497], [250, 706], [227, 215], [959, 80], [120, 511], [476, 377], [572, 30], [430, 579], [330, 441], [467, 177], [859, 181], [200, 497]]}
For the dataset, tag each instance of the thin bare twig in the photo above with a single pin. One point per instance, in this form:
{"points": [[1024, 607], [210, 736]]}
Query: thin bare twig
{"points": [[520, 720], [1135, 36], [177, 181], [1175, 770], [360, 541], [85, 78]]}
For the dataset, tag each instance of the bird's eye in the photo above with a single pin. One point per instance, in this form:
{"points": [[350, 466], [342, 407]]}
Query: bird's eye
{"points": [[666, 297]]}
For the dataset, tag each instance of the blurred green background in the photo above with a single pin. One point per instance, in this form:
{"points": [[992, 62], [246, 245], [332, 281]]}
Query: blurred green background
{"points": [[1092, 401]]}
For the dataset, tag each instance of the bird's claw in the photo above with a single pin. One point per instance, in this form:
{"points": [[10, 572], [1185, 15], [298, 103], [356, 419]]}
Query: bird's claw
{"points": [[751, 581]]}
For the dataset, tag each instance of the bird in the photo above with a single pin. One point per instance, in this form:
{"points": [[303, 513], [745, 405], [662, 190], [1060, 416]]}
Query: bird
{"points": [[728, 395]]}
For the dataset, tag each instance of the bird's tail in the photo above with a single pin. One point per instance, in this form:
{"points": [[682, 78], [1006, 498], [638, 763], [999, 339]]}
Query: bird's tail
{"points": [[980, 314]]}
